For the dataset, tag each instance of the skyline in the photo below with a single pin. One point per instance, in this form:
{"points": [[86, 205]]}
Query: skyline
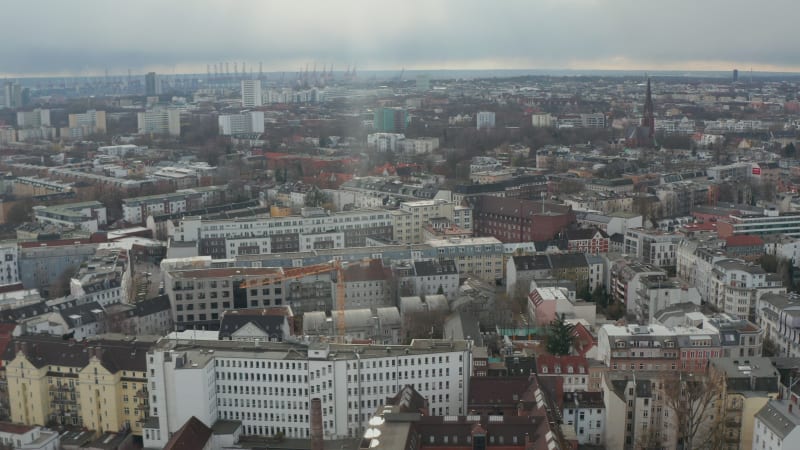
{"points": [[185, 37]]}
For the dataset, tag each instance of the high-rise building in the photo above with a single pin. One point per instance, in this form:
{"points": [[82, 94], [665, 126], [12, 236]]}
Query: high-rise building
{"points": [[33, 119], [242, 123], [160, 121], [735, 75], [485, 119], [152, 85], [13, 95], [251, 93], [390, 120], [94, 121]]}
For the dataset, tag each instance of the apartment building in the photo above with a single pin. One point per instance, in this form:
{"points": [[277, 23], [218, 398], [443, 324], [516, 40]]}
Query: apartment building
{"points": [[653, 247], [368, 284], [243, 123], [90, 122], [516, 220], [624, 276], [97, 384], [656, 348], [165, 121], [779, 316], [655, 293], [408, 221], [87, 216], [136, 210], [738, 286], [284, 234], [749, 385], [777, 426], [427, 277], [481, 257], [269, 386], [638, 406], [585, 413], [9, 263], [770, 222], [695, 259], [106, 277]]}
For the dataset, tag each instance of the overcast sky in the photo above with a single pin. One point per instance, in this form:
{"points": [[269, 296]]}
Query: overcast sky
{"points": [[85, 37]]}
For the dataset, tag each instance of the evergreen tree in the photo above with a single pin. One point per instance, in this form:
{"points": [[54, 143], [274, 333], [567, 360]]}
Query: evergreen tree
{"points": [[560, 337]]}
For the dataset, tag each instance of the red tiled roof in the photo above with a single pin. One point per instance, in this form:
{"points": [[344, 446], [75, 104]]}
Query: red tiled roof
{"points": [[584, 340], [193, 435]]}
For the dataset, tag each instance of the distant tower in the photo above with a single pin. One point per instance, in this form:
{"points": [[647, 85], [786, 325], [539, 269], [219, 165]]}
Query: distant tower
{"points": [[735, 75], [648, 117]]}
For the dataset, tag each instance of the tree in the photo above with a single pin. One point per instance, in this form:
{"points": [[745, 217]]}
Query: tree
{"points": [[560, 337], [316, 198], [695, 400], [789, 151]]}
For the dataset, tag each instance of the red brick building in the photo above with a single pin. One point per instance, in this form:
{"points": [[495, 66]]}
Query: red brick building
{"points": [[589, 240], [517, 220]]}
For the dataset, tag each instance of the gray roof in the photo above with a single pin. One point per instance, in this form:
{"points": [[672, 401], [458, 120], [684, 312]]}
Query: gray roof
{"points": [[775, 415]]}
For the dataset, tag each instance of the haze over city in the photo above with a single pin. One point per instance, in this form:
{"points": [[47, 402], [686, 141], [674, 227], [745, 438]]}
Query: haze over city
{"points": [[93, 36]]}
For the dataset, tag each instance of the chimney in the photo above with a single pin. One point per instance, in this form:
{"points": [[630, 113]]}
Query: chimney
{"points": [[98, 352], [316, 424]]}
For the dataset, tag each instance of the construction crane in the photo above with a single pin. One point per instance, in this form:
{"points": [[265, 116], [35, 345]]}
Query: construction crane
{"points": [[294, 273]]}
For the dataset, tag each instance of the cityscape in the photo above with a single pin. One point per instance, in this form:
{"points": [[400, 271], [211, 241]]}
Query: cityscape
{"points": [[371, 247]]}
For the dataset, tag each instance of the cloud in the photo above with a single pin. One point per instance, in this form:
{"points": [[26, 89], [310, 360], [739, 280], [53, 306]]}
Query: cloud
{"points": [[90, 36]]}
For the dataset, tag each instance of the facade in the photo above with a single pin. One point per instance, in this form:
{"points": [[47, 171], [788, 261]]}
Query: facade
{"points": [[779, 316], [653, 247], [637, 403], [166, 121], [777, 426], [100, 384], [738, 286], [368, 284], [284, 234], [152, 85], [242, 123], [87, 216], [485, 120], [515, 220], [573, 371], [33, 119], [408, 221], [481, 257], [591, 241], [251, 94], [390, 120], [655, 293], [522, 269], [92, 122], [427, 277], [586, 413], [269, 387], [135, 210], [9, 263], [657, 348], [41, 265], [770, 222], [106, 278]]}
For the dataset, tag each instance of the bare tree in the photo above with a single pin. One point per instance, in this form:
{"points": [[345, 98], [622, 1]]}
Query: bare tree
{"points": [[696, 402]]}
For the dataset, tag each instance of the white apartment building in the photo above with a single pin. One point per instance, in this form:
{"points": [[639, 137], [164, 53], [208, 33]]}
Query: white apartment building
{"points": [[160, 121], [286, 232], [695, 261], [92, 120], [9, 263], [739, 285], [88, 216], [106, 278], [652, 247], [137, 209], [481, 257], [251, 93], [33, 119], [420, 145], [485, 119], [777, 426], [386, 142], [409, 219], [586, 414], [779, 317], [269, 386], [242, 123]]}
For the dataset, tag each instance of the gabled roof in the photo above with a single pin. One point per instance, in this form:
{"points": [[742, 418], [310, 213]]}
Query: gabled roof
{"points": [[80, 315], [743, 240], [531, 262], [115, 355], [193, 435], [270, 322]]}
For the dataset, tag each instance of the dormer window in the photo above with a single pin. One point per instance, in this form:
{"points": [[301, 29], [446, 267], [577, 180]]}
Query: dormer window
{"points": [[569, 369], [544, 369]]}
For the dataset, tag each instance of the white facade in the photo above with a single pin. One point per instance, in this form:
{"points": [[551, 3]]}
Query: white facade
{"points": [[9, 260], [409, 219], [269, 387], [386, 142], [251, 93], [245, 122], [20, 437], [777, 426], [33, 119], [485, 119], [160, 121], [420, 145]]}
